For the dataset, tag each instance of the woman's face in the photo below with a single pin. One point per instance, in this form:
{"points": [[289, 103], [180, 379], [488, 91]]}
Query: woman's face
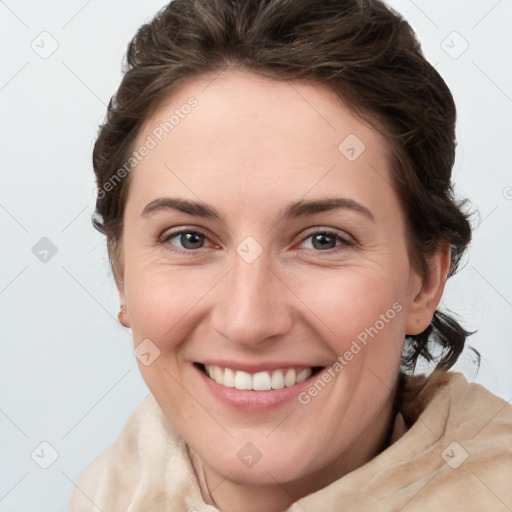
{"points": [[262, 240]]}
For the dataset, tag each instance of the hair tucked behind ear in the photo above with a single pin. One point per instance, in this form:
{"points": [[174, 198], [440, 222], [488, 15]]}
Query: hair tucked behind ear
{"points": [[362, 51]]}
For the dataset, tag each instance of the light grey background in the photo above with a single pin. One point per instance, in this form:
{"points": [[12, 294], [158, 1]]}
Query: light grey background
{"points": [[67, 370]]}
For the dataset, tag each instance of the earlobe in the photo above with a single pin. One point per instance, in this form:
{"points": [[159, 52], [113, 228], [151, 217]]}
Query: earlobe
{"points": [[123, 317], [118, 271], [122, 314], [424, 304]]}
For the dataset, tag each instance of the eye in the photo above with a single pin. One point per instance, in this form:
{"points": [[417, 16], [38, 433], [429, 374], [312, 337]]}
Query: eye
{"points": [[187, 240], [326, 240], [184, 240]]}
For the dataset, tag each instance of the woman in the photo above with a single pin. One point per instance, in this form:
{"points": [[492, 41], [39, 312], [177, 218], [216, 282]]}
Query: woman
{"points": [[274, 185]]}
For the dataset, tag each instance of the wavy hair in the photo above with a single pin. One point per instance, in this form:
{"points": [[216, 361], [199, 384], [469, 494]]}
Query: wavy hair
{"points": [[364, 52]]}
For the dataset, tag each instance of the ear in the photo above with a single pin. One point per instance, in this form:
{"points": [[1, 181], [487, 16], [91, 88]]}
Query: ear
{"points": [[427, 291], [115, 256]]}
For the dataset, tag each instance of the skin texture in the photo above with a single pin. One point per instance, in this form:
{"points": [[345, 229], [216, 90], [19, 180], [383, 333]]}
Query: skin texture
{"points": [[249, 148]]}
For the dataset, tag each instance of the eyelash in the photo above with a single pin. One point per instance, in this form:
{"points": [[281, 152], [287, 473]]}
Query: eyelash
{"points": [[345, 242]]}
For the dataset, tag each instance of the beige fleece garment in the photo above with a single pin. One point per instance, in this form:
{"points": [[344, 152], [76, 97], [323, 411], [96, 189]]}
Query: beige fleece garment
{"points": [[455, 456]]}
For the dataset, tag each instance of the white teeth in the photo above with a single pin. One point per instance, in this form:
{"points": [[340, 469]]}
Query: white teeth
{"points": [[303, 375], [218, 375], [261, 381], [277, 380], [243, 380], [229, 378], [290, 378]]}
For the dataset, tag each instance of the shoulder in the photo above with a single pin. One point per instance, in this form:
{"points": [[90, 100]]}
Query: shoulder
{"points": [[456, 454], [452, 394], [471, 430], [114, 477]]}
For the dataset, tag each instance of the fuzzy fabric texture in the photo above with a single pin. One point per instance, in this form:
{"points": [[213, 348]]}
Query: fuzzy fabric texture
{"points": [[456, 455]]}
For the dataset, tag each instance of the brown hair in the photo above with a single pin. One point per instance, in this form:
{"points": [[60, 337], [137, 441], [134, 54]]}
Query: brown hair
{"points": [[360, 49]]}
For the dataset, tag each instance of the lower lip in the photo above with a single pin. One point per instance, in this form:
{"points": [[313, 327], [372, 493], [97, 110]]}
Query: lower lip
{"points": [[250, 400]]}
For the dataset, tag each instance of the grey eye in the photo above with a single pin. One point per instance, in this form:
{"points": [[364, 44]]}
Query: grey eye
{"points": [[188, 240]]}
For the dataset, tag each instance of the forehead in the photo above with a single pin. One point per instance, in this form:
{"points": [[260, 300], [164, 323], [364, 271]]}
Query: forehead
{"points": [[258, 136]]}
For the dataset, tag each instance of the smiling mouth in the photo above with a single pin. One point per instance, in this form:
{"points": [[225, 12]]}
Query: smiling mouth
{"points": [[260, 381]]}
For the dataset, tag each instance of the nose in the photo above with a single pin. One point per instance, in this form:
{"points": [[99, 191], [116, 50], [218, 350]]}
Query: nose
{"points": [[253, 304]]}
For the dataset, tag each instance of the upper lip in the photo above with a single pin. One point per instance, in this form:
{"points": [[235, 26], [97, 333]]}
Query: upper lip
{"points": [[257, 367]]}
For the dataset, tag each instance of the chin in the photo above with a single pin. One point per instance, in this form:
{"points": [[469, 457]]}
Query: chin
{"points": [[266, 467]]}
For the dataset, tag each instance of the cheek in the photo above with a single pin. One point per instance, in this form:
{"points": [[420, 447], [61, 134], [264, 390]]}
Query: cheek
{"points": [[356, 307], [162, 300]]}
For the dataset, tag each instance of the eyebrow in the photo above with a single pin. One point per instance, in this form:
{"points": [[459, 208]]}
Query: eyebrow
{"points": [[296, 209]]}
